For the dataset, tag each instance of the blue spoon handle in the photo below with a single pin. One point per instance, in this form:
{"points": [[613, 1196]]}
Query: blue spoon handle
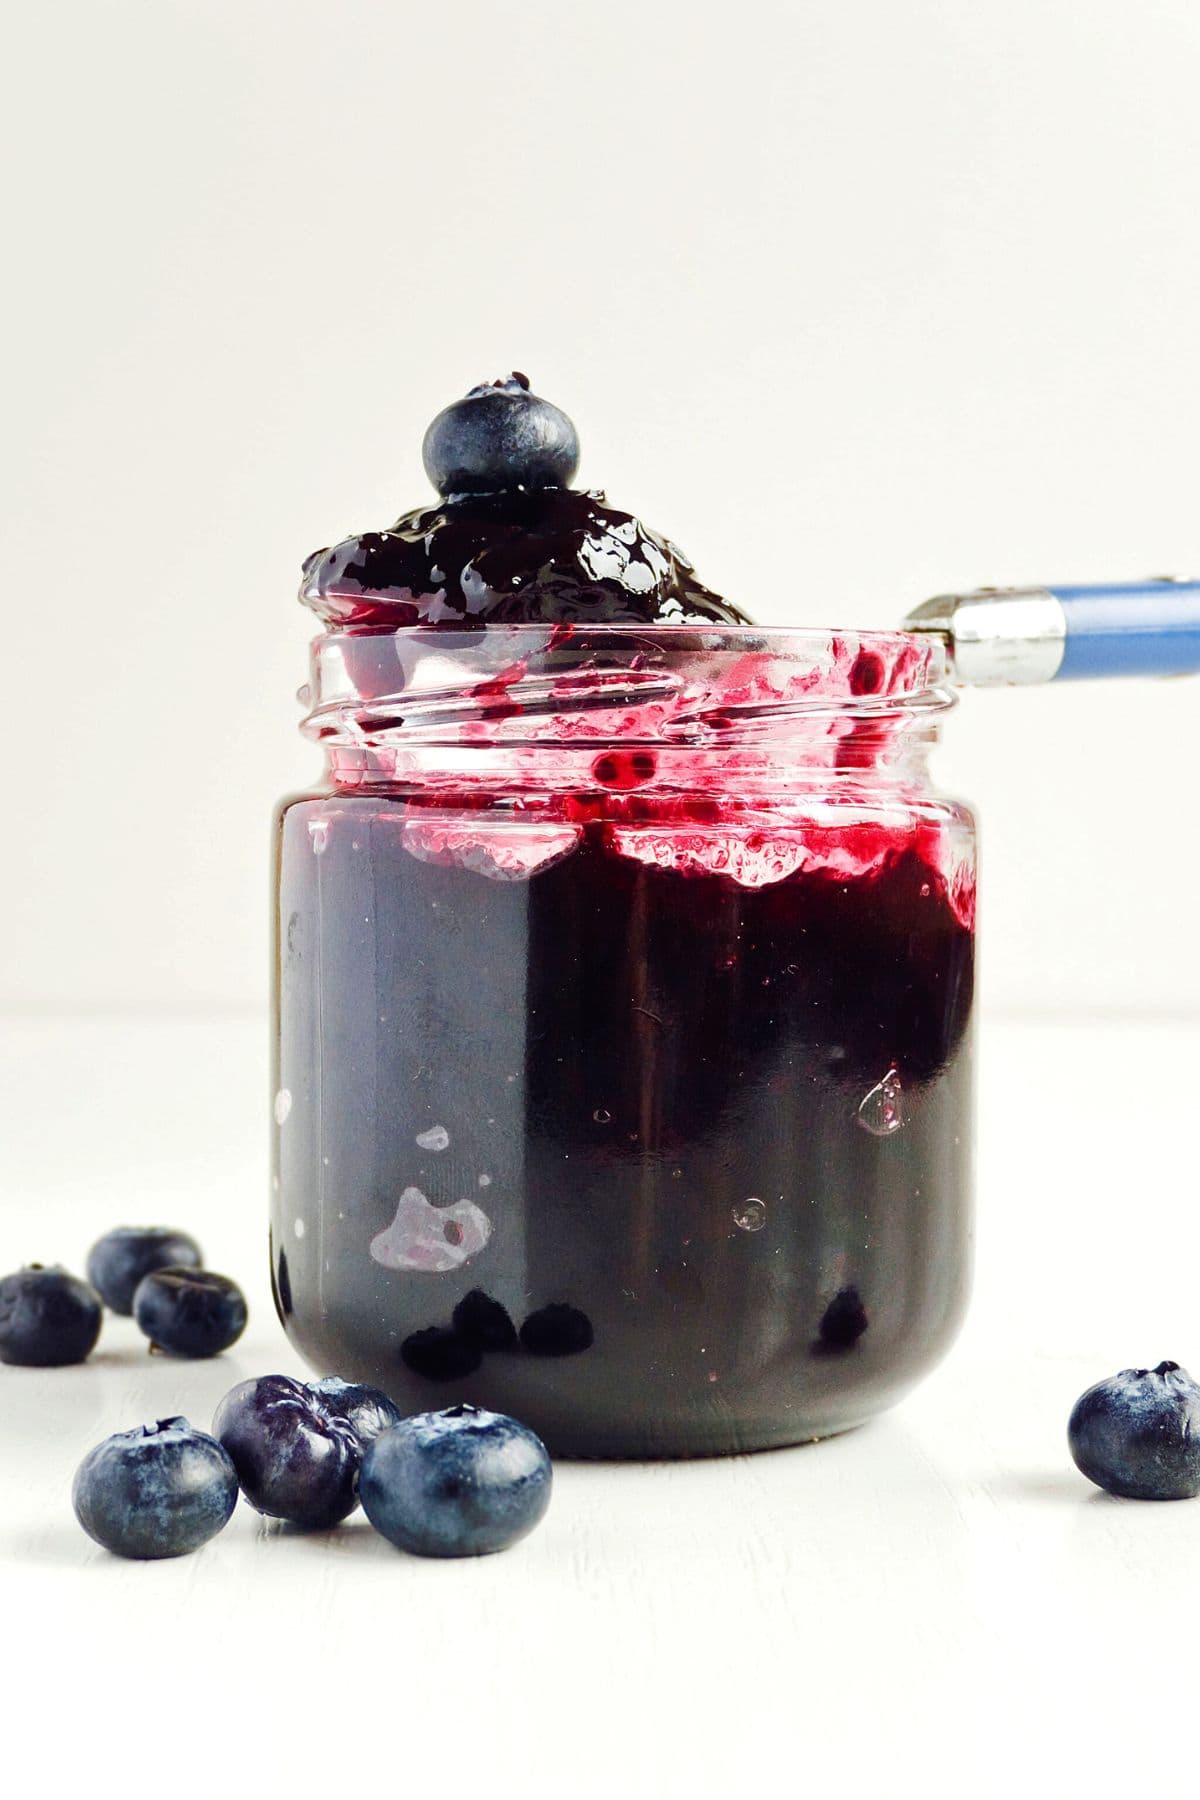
{"points": [[1130, 628], [1001, 637]]}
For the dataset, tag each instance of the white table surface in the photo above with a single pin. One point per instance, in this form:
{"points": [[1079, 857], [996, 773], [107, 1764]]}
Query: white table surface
{"points": [[936, 1602]]}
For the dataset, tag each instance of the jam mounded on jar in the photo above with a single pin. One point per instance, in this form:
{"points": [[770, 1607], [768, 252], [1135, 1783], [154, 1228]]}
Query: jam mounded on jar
{"points": [[556, 554], [624, 1073], [509, 541]]}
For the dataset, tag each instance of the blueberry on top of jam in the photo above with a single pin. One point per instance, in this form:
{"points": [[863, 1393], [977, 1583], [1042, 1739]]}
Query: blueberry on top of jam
{"points": [[509, 542], [499, 437]]}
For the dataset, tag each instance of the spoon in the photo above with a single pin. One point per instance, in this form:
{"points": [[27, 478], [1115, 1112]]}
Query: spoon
{"points": [[1011, 637]]}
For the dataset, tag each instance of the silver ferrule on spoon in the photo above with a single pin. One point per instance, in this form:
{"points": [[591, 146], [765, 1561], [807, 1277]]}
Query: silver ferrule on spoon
{"points": [[1013, 637]]}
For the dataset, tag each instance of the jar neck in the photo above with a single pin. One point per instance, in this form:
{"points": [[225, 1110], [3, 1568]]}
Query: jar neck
{"points": [[529, 709]]}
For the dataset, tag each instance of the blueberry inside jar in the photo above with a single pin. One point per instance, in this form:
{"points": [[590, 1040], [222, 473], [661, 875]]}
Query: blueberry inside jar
{"points": [[624, 983]]}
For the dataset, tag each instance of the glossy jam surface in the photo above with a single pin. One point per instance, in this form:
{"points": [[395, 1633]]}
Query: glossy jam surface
{"points": [[641, 1114], [557, 555]]}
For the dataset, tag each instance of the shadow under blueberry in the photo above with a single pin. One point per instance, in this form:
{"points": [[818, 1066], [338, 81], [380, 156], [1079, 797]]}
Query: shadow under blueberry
{"points": [[352, 1536], [1065, 1487]]}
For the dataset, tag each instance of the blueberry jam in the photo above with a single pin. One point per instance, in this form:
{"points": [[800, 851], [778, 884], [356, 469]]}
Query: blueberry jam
{"points": [[637, 1110], [494, 559], [623, 982]]}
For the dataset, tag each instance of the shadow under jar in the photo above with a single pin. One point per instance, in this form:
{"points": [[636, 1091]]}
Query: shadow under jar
{"points": [[623, 1005]]}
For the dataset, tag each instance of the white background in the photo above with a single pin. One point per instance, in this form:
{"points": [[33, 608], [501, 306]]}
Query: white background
{"points": [[858, 300]]}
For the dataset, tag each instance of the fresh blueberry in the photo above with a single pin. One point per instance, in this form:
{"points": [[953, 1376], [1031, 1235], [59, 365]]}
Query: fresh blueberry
{"points": [[440, 1353], [297, 1457], [1138, 1434], [117, 1262], [557, 1331], [500, 436], [161, 1490], [455, 1483], [190, 1312], [366, 1408], [482, 1321], [47, 1317]]}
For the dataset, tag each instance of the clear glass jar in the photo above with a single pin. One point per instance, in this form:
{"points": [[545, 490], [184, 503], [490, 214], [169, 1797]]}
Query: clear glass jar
{"points": [[623, 1006]]}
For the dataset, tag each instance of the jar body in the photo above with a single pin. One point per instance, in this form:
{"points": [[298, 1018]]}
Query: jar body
{"points": [[643, 1118]]}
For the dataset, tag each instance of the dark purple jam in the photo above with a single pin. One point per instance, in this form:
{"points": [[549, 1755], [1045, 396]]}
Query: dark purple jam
{"points": [[548, 554], [600, 1122]]}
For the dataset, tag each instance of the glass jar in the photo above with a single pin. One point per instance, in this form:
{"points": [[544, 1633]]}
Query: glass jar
{"points": [[623, 1025]]}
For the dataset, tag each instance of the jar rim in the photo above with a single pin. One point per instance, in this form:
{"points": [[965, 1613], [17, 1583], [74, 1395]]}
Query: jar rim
{"points": [[529, 685], [693, 635]]}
